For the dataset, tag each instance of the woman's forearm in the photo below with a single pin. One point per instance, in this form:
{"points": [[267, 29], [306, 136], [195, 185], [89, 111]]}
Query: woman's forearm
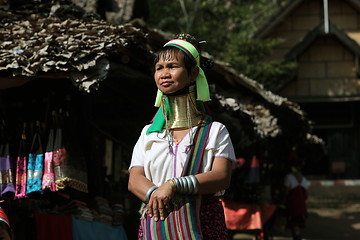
{"points": [[138, 184], [217, 179], [210, 182]]}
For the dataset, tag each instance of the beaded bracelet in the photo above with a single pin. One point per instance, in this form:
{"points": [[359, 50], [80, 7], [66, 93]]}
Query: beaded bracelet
{"points": [[149, 192]]}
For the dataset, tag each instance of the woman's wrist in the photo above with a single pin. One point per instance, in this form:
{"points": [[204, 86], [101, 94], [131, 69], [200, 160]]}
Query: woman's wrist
{"points": [[185, 185], [149, 192], [172, 184]]}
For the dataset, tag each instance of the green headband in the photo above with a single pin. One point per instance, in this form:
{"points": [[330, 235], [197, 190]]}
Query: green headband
{"points": [[202, 87]]}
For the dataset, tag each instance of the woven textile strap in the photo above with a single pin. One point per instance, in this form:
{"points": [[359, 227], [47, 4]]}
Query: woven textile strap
{"points": [[20, 187], [184, 221], [48, 181], [34, 173], [194, 162], [20, 190], [35, 165]]}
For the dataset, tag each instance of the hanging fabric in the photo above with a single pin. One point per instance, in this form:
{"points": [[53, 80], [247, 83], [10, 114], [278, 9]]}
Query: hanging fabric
{"points": [[20, 189], [7, 179], [35, 165], [69, 165], [48, 181]]}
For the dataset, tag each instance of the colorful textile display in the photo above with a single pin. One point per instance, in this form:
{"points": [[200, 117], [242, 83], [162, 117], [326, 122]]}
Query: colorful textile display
{"points": [[35, 166], [48, 181], [20, 189], [7, 183]]}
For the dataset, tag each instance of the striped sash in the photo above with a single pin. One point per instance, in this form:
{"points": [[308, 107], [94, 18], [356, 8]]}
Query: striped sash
{"points": [[183, 222]]}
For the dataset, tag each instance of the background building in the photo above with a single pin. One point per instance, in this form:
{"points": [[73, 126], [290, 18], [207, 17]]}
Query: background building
{"points": [[322, 37]]}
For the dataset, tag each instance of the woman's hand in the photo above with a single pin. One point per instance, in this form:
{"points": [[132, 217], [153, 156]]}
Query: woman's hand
{"points": [[159, 205]]}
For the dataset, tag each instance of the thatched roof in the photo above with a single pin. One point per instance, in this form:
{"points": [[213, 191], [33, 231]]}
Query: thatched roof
{"points": [[40, 46], [84, 49]]}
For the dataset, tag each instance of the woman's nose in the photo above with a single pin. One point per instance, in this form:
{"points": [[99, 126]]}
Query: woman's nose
{"points": [[165, 73]]}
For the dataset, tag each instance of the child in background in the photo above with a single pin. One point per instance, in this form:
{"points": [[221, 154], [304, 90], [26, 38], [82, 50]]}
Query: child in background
{"points": [[296, 192]]}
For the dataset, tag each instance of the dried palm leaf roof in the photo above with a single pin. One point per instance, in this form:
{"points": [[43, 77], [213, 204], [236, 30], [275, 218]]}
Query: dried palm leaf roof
{"points": [[38, 45], [46, 46]]}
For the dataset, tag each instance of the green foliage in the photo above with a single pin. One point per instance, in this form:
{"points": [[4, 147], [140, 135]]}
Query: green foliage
{"points": [[228, 27], [249, 56]]}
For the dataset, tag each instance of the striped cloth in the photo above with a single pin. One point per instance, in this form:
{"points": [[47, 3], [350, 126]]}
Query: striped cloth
{"points": [[184, 221]]}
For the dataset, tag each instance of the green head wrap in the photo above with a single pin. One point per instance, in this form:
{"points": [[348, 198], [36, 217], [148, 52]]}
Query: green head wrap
{"points": [[202, 87]]}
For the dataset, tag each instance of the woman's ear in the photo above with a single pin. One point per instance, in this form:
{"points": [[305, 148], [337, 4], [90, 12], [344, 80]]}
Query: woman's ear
{"points": [[194, 73]]}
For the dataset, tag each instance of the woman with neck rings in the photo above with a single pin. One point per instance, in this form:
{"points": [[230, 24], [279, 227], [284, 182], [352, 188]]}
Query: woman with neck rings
{"points": [[182, 161]]}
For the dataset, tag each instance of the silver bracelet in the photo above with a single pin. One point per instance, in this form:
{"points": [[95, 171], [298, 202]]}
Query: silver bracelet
{"points": [[187, 184], [195, 183], [149, 192]]}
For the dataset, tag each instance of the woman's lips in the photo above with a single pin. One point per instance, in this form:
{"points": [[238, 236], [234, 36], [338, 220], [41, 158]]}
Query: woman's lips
{"points": [[166, 83]]}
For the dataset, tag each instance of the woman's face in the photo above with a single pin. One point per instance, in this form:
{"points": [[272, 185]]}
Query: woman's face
{"points": [[171, 75]]}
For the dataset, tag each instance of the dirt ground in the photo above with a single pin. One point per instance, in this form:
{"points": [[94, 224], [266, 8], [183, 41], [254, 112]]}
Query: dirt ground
{"points": [[341, 223]]}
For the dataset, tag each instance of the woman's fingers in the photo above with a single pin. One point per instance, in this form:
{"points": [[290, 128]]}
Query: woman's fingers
{"points": [[157, 210], [159, 205], [153, 208], [162, 211]]}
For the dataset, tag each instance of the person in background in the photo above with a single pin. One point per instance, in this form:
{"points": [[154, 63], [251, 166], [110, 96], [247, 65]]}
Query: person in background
{"points": [[5, 230], [182, 161], [296, 193]]}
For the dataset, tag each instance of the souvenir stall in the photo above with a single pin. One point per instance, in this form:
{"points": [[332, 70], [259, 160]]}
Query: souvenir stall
{"points": [[47, 152], [63, 159]]}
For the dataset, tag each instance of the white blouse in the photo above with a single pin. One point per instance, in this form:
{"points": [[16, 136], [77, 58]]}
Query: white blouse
{"points": [[162, 160], [291, 181]]}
